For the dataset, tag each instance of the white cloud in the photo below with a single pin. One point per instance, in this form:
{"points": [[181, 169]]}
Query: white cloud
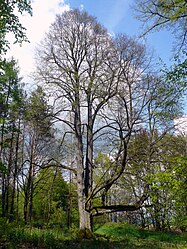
{"points": [[181, 125], [44, 13], [81, 7]]}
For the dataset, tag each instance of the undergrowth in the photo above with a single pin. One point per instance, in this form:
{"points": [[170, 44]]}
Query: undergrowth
{"points": [[109, 236]]}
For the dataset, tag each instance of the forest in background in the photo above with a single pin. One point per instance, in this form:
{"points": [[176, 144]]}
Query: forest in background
{"points": [[95, 141]]}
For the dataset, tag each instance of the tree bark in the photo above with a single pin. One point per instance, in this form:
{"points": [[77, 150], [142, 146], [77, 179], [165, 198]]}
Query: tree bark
{"points": [[15, 173], [28, 204], [82, 187], [8, 186]]}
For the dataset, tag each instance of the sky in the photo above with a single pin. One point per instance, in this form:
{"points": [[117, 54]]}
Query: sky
{"points": [[116, 15]]}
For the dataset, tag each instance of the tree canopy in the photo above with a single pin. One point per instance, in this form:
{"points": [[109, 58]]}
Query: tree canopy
{"points": [[159, 14], [9, 21]]}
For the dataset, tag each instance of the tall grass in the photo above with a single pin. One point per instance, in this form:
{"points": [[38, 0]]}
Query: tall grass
{"points": [[109, 236], [36, 238]]}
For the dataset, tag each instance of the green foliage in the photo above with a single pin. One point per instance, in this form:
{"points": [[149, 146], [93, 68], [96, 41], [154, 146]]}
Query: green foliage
{"points": [[11, 100], [9, 21], [3, 168], [181, 222], [50, 201], [103, 163], [161, 14], [33, 237], [11, 92], [38, 112], [176, 78], [168, 192], [161, 163], [166, 104]]}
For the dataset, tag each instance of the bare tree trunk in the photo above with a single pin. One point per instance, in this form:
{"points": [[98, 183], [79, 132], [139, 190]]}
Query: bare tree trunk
{"points": [[3, 195], [84, 215], [25, 211], [69, 214], [15, 173], [28, 198], [7, 186], [28, 204], [31, 197], [89, 151], [32, 173], [17, 201], [50, 196]]}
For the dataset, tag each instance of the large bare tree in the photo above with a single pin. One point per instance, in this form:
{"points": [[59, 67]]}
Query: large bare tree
{"points": [[91, 77]]}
